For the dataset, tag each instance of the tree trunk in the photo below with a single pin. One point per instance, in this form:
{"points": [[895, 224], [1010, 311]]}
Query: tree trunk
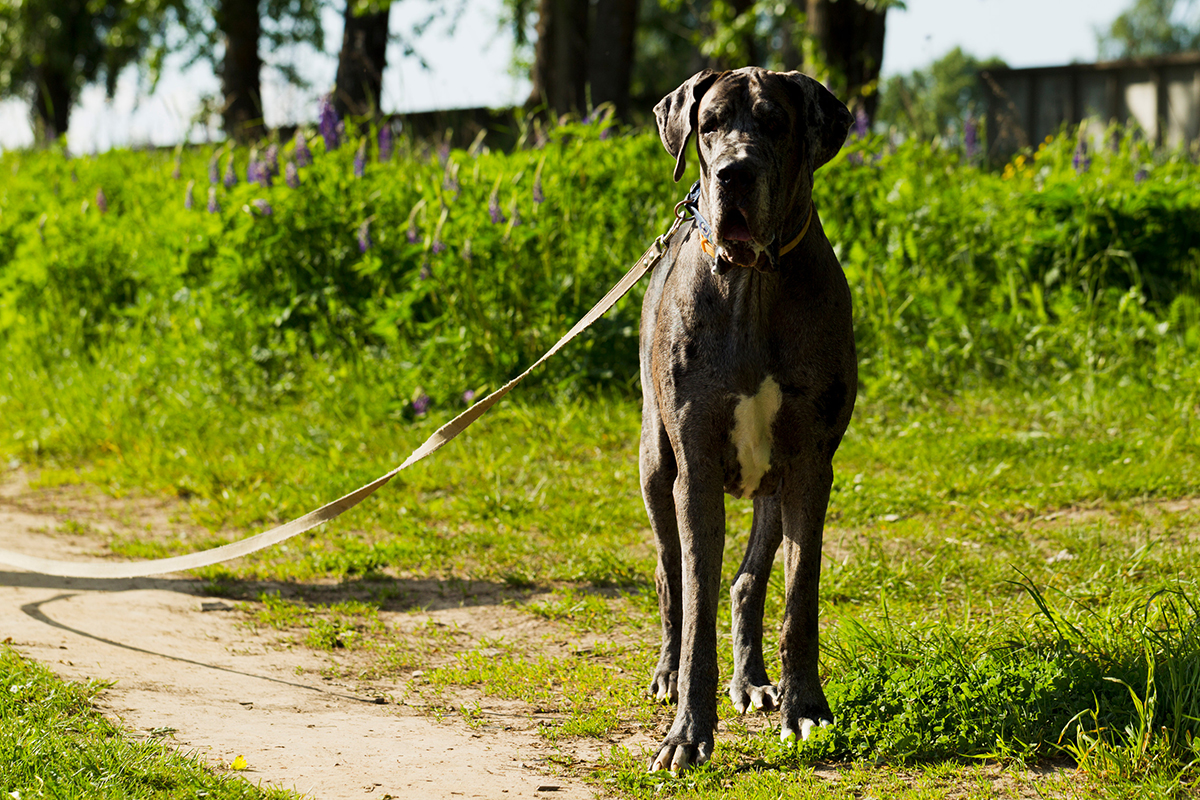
{"points": [[361, 62], [849, 37], [52, 101], [241, 67], [611, 53], [560, 56]]}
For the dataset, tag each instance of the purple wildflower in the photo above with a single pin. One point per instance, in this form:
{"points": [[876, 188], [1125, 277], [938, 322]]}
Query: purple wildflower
{"points": [[385, 142], [413, 234], [421, 404], [1140, 175], [516, 214], [494, 207], [263, 207], [450, 180], [862, 124], [608, 133], [213, 206], [270, 162], [302, 153], [971, 137], [291, 175], [426, 273], [101, 201], [1082, 160], [469, 397], [443, 152], [360, 159], [214, 169], [364, 236], [230, 176], [176, 170], [538, 196], [327, 124], [438, 245], [188, 198]]}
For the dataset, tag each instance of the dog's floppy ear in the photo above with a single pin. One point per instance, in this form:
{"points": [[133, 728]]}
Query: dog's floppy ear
{"points": [[826, 119], [676, 116]]}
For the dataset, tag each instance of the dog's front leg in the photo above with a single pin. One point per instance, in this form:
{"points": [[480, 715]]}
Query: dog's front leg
{"points": [[805, 496], [700, 504]]}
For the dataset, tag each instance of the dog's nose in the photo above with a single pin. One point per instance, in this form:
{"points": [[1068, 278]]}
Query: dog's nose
{"points": [[735, 176]]}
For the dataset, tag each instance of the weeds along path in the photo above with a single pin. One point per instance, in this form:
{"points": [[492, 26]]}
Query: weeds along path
{"points": [[183, 668]]}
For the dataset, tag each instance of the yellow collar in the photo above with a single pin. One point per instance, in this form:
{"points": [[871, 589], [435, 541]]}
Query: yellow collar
{"points": [[711, 249]]}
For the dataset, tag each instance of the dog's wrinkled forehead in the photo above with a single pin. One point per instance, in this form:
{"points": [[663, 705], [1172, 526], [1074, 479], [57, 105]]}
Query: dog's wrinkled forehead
{"points": [[821, 121]]}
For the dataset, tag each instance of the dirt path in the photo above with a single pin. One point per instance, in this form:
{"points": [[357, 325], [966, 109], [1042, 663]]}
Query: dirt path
{"points": [[185, 668]]}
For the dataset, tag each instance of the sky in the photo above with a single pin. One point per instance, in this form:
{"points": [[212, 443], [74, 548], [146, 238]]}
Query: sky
{"points": [[470, 66]]}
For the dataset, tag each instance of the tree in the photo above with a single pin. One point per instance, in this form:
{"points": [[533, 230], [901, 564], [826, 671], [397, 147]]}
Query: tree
{"points": [[51, 49], [362, 59], [846, 47], [926, 103], [230, 34], [611, 53], [560, 61], [1152, 28]]}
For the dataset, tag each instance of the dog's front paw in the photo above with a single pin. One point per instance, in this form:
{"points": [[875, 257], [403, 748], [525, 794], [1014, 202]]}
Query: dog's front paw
{"points": [[664, 687], [677, 756], [748, 695]]}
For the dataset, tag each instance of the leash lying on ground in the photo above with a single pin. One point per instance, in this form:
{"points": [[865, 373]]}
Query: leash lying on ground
{"points": [[205, 558]]}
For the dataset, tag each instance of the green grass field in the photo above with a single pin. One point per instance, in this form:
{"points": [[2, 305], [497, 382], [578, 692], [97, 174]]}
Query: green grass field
{"points": [[1009, 602]]}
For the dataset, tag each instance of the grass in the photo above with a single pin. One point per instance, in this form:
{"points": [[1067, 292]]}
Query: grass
{"points": [[56, 745], [1008, 599]]}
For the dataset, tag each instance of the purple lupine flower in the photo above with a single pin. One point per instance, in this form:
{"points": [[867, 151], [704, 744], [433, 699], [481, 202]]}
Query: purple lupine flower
{"points": [[263, 207], [1140, 175], [385, 142], [468, 397], [230, 176], [412, 233], [1082, 160], [176, 171], [302, 153], [443, 152], [252, 167], [494, 207], [360, 159], [862, 123], [327, 124], [291, 175], [538, 197], [270, 162], [438, 245], [101, 201], [421, 404], [188, 198], [214, 169], [426, 273], [516, 214], [213, 206], [608, 133], [971, 137], [364, 236]]}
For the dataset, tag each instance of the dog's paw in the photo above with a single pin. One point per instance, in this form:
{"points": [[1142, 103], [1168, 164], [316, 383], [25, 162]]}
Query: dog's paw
{"points": [[664, 688], [746, 695], [788, 733], [679, 756]]}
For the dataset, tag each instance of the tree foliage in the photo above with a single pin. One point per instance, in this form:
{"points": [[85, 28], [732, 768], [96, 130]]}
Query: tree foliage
{"points": [[51, 49], [928, 102], [1152, 28]]}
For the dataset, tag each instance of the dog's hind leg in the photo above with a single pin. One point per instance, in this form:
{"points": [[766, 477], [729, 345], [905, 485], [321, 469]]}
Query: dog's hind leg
{"points": [[750, 688], [658, 472]]}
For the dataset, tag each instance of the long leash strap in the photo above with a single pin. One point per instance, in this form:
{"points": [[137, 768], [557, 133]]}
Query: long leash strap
{"points": [[440, 437]]}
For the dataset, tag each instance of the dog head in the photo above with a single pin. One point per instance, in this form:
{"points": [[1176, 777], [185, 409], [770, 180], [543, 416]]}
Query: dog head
{"points": [[760, 137]]}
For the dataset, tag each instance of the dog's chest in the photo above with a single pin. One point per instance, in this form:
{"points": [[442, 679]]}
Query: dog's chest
{"points": [[753, 418]]}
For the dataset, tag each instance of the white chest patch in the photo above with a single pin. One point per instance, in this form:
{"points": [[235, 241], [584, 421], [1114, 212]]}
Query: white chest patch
{"points": [[752, 419]]}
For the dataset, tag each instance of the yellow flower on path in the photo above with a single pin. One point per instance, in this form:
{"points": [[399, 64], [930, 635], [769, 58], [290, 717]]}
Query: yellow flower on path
{"points": [[239, 763]]}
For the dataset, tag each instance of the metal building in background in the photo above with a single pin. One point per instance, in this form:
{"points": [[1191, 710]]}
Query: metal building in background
{"points": [[1162, 95]]}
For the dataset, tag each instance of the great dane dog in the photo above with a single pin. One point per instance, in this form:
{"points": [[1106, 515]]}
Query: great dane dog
{"points": [[749, 378]]}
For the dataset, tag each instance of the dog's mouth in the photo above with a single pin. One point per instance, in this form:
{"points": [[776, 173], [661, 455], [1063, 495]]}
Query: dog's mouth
{"points": [[734, 226]]}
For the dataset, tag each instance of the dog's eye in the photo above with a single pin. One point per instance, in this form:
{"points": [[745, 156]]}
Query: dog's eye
{"points": [[710, 124], [773, 122]]}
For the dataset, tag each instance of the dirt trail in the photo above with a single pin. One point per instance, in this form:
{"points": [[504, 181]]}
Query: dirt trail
{"points": [[183, 667]]}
